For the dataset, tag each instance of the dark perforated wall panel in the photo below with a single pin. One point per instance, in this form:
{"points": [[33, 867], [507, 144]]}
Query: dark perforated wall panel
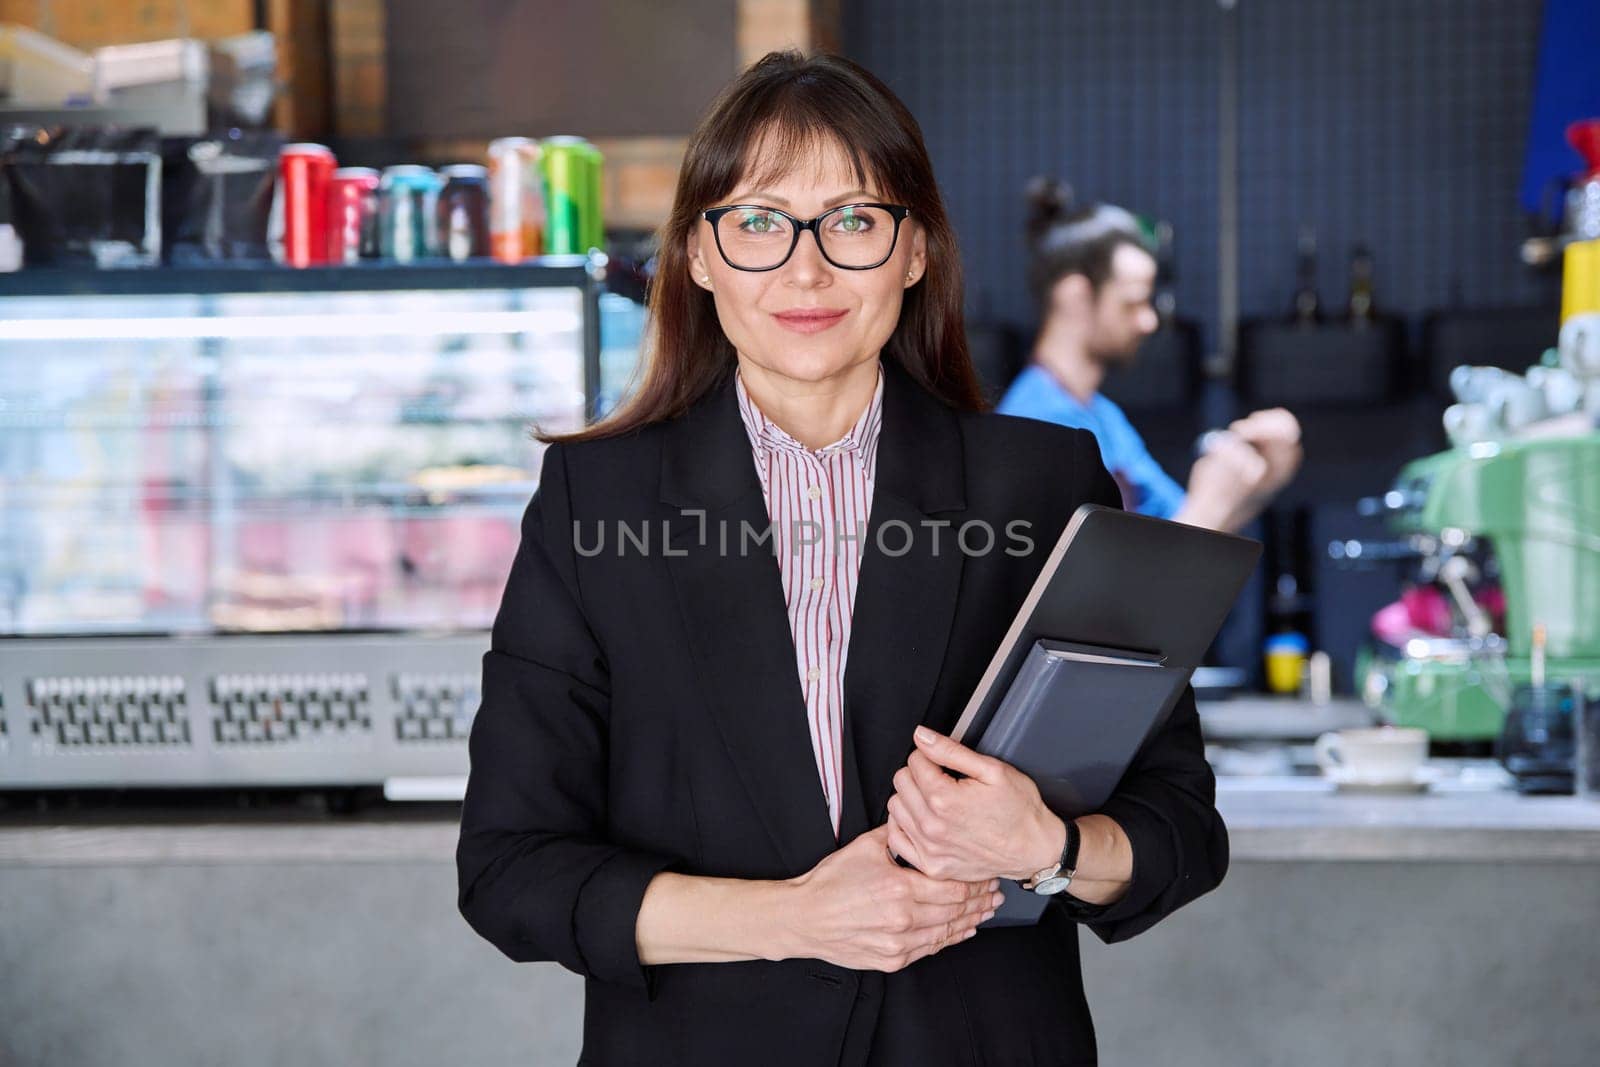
{"points": [[1395, 122], [1119, 99]]}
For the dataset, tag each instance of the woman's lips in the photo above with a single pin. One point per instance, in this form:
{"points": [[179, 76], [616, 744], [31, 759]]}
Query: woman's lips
{"points": [[810, 320]]}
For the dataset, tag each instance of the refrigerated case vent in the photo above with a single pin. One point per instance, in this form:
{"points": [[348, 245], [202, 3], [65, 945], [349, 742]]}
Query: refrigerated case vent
{"points": [[254, 709], [119, 711], [434, 707]]}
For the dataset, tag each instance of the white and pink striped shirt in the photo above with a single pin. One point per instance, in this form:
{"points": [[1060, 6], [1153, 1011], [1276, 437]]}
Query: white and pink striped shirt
{"points": [[818, 503]]}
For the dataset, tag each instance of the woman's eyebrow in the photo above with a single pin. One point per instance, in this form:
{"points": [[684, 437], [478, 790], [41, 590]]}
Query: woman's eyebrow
{"points": [[778, 201]]}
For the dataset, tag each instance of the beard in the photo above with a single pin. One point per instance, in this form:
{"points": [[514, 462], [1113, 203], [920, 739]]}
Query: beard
{"points": [[1113, 356]]}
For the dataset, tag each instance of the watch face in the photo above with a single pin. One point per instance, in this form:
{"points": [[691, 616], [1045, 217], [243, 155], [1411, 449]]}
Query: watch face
{"points": [[1051, 886]]}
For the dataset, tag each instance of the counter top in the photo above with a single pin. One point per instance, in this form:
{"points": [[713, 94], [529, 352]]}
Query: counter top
{"points": [[1290, 819], [1279, 718]]}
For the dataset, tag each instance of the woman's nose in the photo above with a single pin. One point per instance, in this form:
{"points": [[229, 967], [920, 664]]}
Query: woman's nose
{"points": [[806, 265]]}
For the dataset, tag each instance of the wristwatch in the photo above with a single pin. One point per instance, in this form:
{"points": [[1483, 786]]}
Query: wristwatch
{"points": [[1048, 881]]}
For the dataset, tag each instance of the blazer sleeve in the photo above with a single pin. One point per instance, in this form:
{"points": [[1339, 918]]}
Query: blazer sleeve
{"points": [[1165, 803], [537, 875]]}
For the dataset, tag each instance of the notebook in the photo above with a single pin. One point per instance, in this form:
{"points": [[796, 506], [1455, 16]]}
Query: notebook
{"points": [[1120, 615], [1072, 720]]}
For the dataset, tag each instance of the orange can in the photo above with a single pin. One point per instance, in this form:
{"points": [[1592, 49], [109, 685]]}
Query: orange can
{"points": [[516, 200]]}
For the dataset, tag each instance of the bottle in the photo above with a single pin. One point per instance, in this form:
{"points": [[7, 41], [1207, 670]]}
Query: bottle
{"points": [[1166, 301], [10, 241], [1285, 655], [10, 249], [1307, 305], [1361, 305]]}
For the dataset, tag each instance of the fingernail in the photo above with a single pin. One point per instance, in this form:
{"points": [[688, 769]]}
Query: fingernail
{"points": [[924, 735], [987, 916], [999, 899], [994, 883], [969, 933]]}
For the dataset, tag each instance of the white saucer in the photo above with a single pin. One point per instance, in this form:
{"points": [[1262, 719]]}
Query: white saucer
{"points": [[1346, 781]]}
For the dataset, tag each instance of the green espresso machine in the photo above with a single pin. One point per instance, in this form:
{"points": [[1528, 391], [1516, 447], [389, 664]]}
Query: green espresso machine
{"points": [[1527, 512]]}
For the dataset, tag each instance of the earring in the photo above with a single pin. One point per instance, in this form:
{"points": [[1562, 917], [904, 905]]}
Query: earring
{"points": [[910, 274], [706, 278]]}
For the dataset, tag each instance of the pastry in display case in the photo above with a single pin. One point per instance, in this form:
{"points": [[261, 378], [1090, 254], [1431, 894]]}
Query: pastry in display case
{"points": [[236, 499]]}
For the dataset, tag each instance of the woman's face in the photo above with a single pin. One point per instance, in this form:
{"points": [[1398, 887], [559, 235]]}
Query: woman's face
{"points": [[808, 320]]}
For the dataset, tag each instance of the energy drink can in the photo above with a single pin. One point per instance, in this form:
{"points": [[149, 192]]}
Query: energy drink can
{"points": [[304, 171], [353, 215], [516, 199], [594, 231], [567, 183], [463, 220], [408, 197]]}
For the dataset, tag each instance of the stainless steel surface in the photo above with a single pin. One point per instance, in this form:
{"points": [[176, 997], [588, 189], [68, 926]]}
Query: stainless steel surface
{"points": [[309, 710]]}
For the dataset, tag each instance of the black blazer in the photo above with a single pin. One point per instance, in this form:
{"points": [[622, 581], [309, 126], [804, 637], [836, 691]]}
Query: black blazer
{"points": [[641, 712]]}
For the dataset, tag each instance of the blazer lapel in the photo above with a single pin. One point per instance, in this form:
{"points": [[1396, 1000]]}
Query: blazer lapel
{"points": [[905, 596], [730, 591]]}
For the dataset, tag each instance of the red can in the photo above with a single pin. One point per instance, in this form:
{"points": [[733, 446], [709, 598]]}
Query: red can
{"points": [[352, 215], [304, 171]]}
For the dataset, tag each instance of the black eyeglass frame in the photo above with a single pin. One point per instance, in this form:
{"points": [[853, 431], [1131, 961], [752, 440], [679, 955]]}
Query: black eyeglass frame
{"points": [[714, 215]]}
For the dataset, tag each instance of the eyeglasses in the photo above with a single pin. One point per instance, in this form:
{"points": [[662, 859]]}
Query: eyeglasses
{"points": [[851, 236]]}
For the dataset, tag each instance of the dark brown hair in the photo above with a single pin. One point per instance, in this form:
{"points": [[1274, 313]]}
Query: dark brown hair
{"points": [[1065, 238], [792, 103]]}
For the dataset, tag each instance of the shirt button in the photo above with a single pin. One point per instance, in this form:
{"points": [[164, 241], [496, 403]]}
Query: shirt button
{"points": [[814, 493], [816, 583], [813, 674]]}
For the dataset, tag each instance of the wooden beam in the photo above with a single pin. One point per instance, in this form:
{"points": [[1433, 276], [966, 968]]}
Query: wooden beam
{"points": [[360, 72], [301, 29]]}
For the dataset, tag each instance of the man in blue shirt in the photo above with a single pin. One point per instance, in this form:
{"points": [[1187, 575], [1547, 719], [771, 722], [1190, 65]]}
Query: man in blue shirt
{"points": [[1094, 277]]}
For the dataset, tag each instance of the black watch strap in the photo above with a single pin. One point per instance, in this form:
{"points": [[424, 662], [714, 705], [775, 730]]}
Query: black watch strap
{"points": [[1069, 854]]}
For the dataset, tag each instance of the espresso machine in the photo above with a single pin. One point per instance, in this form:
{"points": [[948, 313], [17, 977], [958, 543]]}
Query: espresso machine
{"points": [[1502, 529], [1505, 535]]}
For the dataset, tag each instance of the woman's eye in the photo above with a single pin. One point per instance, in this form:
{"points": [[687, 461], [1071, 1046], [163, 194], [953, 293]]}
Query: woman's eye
{"points": [[852, 223], [760, 222]]}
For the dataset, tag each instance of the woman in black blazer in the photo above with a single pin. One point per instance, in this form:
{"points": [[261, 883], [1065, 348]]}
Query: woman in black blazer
{"points": [[645, 806]]}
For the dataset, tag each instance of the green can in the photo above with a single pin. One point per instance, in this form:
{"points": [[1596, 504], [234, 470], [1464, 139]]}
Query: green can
{"points": [[567, 186], [593, 217]]}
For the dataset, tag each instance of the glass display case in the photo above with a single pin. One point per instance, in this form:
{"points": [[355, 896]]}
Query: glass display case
{"points": [[262, 515]]}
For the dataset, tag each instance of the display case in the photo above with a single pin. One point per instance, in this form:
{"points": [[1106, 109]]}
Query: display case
{"points": [[256, 522]]}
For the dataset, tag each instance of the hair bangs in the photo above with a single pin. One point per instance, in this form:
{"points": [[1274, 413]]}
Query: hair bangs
{"points": [[793, 127]]}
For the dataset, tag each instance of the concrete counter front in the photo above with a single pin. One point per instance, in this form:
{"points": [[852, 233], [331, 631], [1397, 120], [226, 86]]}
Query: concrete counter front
{"points": [[1458, 927]]}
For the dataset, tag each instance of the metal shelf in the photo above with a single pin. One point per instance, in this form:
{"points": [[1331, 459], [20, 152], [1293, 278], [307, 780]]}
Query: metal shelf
{"points": [[548, 272]]}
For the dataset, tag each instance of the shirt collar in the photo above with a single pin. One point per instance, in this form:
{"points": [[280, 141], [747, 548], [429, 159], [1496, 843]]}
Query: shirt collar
{"points": [[860, 441]]}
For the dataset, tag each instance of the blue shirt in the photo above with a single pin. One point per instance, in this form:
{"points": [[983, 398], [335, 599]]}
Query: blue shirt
{"points": [[1146, 488]]}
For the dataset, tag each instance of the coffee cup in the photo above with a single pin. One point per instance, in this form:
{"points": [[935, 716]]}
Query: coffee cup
{"points": [[1467, 424], [1385, 755]]}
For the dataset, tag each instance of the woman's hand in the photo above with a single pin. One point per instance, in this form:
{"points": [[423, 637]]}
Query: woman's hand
{"points": [[990, 824], [860, 909]]}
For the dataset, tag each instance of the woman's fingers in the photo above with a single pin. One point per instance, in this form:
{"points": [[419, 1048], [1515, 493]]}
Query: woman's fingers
{"points": [[912, 806], [927, 890], [968, 912], [901, 843], [940, 943]]}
